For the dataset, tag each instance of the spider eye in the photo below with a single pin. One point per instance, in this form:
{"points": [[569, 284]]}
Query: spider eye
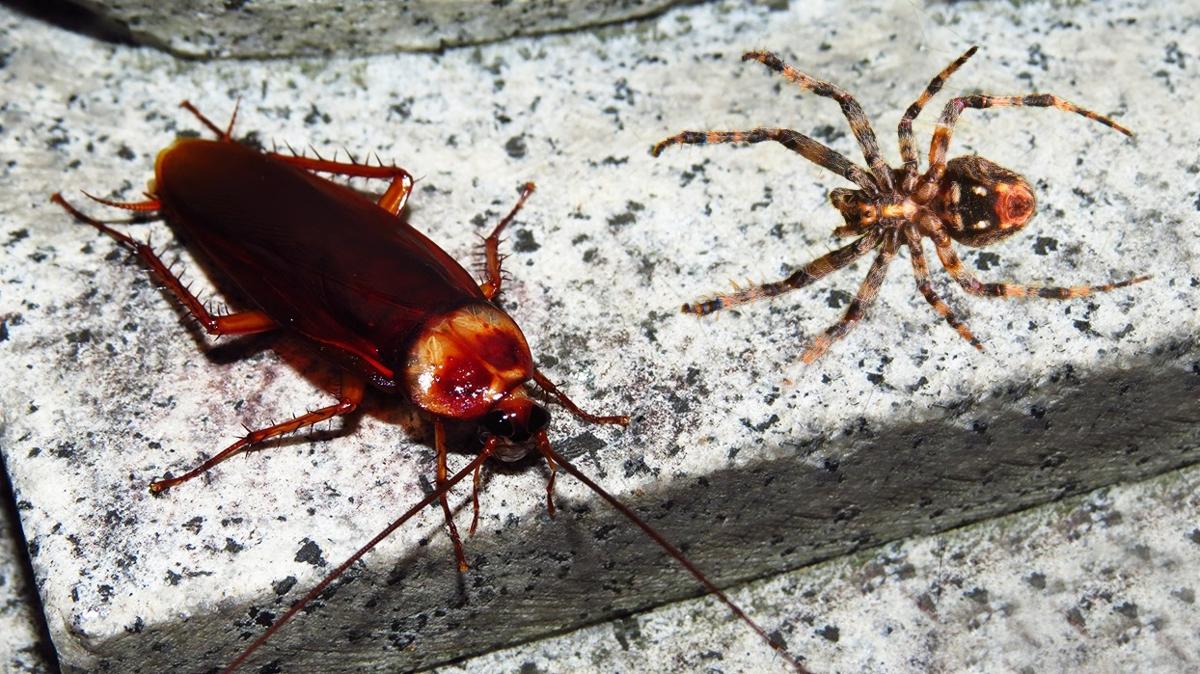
{"points": [[498, 423]]}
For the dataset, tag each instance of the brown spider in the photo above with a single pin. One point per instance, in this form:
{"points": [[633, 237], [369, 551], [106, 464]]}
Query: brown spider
{"points": [[966, 199]]}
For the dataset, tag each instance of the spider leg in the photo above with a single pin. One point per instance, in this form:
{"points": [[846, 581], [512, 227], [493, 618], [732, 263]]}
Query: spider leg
{"points": [[945, 124], [925, 285], [908, 145], [818, 268], [974, 286], [859, 126], [858, 306], [796, 142]]}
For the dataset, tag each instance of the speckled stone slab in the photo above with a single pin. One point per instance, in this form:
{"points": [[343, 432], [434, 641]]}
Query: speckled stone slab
{"points": [[22, 648], [752, 461], [1103, 583], [283, 28]]}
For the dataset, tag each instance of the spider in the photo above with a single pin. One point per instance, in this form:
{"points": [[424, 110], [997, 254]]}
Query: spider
{"points": [[968, 199]]}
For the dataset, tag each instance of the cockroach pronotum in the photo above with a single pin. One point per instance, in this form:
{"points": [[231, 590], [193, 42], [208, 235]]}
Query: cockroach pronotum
{"points": [[379, 300]]}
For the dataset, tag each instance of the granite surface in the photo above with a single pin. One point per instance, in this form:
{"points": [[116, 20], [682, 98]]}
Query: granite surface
{"points": [[1104, 583], [289, 28], [752, 461]]}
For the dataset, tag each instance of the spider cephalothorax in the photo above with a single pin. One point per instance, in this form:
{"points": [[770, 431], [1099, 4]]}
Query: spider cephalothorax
{"points": [[970, 200]]}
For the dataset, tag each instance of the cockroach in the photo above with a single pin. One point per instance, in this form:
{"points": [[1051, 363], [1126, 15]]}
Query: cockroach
{"points": [[378, 300]]}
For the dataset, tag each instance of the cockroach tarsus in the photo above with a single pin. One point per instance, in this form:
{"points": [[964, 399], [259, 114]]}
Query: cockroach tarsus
{"points": [[969, 199], [374, 297]]}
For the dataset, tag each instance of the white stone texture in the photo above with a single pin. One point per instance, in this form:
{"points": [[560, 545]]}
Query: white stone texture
{"points": [[285, 28], [750, 460]]}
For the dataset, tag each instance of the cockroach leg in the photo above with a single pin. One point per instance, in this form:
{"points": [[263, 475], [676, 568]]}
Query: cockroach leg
{"points": [[349, 398], [548, 451], [237, 104], [549, 387], [320, 587], [393, 199], [150, 204], [439, 441], [475, 500], [544, 448], [223, 134], [240, 323], [491, 246]]}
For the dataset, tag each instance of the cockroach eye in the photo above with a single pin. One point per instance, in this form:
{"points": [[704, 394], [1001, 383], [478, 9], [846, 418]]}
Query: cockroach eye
{"points": [[498, 423], [539, 418]]}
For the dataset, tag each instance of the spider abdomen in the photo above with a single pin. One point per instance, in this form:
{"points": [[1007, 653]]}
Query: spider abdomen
{"points": [[980, 202]]}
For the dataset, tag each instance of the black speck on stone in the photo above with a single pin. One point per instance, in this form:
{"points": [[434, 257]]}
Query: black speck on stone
{"points": [[272, 667], [977, 595], [875, 378], [1127, 609], [234, 5], [315, 115], [3, 330], [828, 133], [1195, 536], [79, 336], [830, 633], [1075, 617], [628, 217], [1036, 580], [403, 109], [282, 587], [173, 578], [601, 533], [837, 298], [264, 618], [232, 545], [524, 242], [16, 235], [310, 553], [125, 153], [515, 147], [1044, 245], [193, 525], [985, 261], [777, 637]]}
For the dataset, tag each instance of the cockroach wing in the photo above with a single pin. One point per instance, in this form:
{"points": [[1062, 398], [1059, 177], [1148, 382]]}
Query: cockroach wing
{"points": [[318, 257]]}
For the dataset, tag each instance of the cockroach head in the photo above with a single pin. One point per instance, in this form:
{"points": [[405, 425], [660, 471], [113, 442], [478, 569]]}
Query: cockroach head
{"points": [[514, 420]]}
